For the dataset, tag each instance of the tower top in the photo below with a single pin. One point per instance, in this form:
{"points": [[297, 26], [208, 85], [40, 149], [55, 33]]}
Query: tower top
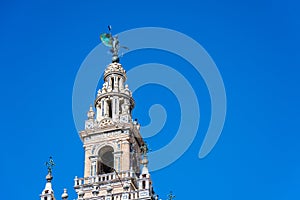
{"points": [[114, 148], [48, 192]]}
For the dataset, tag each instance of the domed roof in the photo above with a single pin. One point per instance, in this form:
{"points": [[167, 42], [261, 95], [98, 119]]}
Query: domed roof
{"points": [[65, 194], [114, 68], [49, 177]]}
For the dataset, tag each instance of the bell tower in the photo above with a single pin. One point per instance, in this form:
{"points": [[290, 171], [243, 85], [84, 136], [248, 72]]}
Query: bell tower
{"points": [[113, 147]]}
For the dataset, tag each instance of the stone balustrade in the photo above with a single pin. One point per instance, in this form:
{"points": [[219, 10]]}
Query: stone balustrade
{"points": [[103, 178], [118, 196]]}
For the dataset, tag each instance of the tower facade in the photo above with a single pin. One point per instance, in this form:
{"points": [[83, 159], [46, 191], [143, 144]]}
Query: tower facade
{"points": [[113, 147], [115, 162]]}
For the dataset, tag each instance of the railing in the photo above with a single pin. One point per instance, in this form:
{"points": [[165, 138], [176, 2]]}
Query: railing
{"points": [[131, 196], [103, 178]]}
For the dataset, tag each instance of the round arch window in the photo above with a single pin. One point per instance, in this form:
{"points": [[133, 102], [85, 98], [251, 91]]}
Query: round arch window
{"points": [[106, 160]]}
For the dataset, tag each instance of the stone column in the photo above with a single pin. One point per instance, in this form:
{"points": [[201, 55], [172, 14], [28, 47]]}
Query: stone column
{"points": [[109, 84], [102, 108], [99, 111], [87, 162], [125, 156], [147, 184], [117, 163], [115, 107], [93, 165], [106, 108], [121, 84], [116, 84]]}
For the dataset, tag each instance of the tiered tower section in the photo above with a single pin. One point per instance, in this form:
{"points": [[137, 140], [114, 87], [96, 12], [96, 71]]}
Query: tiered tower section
{"points": [[48, 193], [114, 148]]}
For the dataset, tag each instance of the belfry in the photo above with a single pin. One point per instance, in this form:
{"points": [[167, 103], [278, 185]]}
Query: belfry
{"points": [[115, 163]]}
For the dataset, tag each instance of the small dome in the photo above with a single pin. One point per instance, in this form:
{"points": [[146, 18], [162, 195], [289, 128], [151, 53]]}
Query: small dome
{"points": [[65, 194], [114, 68], [49, 177]]}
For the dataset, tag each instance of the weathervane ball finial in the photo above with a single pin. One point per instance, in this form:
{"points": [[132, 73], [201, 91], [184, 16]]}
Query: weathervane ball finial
{"points": [[113, 42]]}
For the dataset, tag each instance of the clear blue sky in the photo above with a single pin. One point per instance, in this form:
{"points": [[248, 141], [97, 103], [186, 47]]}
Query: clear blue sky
{"points": [[255, 45]]}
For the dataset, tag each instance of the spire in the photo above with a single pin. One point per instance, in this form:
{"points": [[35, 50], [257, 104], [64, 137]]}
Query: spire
{"points": [[48, 193]]}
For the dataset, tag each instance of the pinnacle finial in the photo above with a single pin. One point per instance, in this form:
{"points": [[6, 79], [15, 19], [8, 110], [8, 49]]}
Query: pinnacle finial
{"points": [[91, 113], [50, 164], [144, 149], [144, 161], [171, 196]]}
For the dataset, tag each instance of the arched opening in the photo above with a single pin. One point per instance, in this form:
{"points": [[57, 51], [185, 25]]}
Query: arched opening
{"points": [[106, 160], [143, 184], [112, 83], [110, 109]]}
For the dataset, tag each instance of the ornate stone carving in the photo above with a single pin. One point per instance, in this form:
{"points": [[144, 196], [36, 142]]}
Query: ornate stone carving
{"points": [[114, 68], [105, 122]]}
